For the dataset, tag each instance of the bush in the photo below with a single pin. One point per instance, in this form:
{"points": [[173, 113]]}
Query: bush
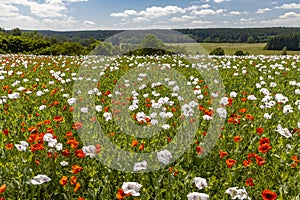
{"points": [[217, 51], [284, 51], [239, 53]]}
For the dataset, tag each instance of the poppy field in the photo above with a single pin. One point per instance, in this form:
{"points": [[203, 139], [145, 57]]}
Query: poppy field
{"points": [[47, 153]]}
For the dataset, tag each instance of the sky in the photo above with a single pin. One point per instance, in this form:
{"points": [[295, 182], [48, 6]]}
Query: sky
{"points": [[66, 15]]}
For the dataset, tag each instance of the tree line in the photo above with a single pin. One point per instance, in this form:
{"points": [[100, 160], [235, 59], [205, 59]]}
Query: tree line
{"points": [[214, 35], [287, 42]]}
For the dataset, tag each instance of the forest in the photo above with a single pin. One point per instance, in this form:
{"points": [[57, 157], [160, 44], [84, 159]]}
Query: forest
{"points": [[83, 42]]}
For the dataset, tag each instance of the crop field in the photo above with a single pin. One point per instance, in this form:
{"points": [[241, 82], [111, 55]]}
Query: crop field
{"points": [[149, 127]]}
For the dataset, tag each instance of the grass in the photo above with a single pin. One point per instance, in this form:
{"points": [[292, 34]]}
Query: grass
{"points": [[230, 48]]}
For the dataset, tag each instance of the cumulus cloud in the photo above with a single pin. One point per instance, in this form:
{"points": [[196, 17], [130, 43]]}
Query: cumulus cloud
{"points": [[220, 1], [235, 13], [205, 12], [263, 10], [88, 23], [289, 6], [289, 15], [149, 13]]}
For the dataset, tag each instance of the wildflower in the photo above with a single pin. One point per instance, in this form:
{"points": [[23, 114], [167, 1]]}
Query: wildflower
{"points": [[63, 180], [140, 166], [268, 195], [79, 153], [121, 195], [264, 148], [22, 146], [264, 140], [132, 188], [39, 179], [89, 151], [197, 196], [230, 162], [237, 139], [64, 163], [247, 163], [200, 183], [164, 156], [73, 180], [249, 182], [234, 192], [260, 161], [283, 131], [76, 169], [2, 188], [134, 143], [222, 154], [77, 187], [260, 130]]}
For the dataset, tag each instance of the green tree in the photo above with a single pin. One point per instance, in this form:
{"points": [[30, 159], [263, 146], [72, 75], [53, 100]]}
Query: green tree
{"points": [[150, 41], [250, 39], [217, 51], [16, 32], [284, 52], [239, 53]]}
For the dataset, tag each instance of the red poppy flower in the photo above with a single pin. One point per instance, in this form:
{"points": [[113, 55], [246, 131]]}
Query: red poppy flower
{"points": [[264, 148], [249, 182], [260, 130], [63, 180], [268, 195], [222, 154], [264, 141], [230, 162]]}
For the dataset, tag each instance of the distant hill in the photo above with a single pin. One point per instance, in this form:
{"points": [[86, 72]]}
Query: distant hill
{"points": [[214, 35]]}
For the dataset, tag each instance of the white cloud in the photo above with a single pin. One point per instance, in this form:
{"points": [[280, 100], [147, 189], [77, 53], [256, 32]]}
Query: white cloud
{"points": [[182, 18], [205, 12], [8, 10], [289, 15], [155, 12], [289, 6], [235, 13], [220, 1], [263, 10], [67, 24], [75, 1], [247, 19], [195, 7], [287, 19], [25, 22], [88, 23]]}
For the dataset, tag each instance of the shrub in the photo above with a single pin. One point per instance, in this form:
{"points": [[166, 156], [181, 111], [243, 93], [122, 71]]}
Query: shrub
{"points": [[217, 51], [239, 53]]}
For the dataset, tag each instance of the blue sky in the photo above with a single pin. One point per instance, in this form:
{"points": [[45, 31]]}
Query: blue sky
{"points": [[146, 14]]}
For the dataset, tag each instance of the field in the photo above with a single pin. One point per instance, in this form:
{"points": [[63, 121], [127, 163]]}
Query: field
{"points": [[151, 127], [231, 48]]}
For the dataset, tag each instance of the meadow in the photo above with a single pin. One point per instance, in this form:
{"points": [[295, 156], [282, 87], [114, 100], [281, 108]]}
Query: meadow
{"points": [[231, 48], [47, 151]]}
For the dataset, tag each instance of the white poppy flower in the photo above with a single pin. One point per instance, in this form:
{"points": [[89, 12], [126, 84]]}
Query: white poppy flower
{"points": [[283, 131], [89, 151], [197, 196], [200, 182], [132, 187], [140, 166], [40, 179], [237, 193], [164, 156]]}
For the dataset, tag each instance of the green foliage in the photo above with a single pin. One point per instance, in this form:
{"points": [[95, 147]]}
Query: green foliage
{"points": [[217, 51], [284, 51], [239, 53], [250, 39], [291, 42]]}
